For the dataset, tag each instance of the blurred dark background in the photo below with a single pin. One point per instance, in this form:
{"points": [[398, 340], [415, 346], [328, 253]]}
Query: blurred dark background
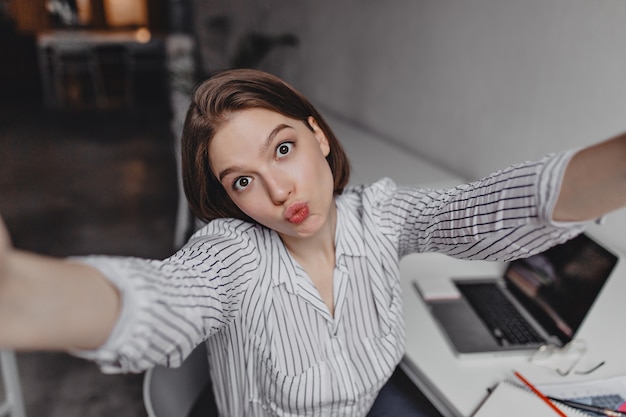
{"points": [[92, 97], [78, 176]]}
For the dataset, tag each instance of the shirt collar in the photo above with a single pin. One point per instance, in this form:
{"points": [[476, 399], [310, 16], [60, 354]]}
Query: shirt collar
{"points": [[284, 269], [349, 230]]}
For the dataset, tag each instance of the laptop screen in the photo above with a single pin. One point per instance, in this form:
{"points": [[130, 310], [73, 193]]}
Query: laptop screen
{"points": [[559, 286]]}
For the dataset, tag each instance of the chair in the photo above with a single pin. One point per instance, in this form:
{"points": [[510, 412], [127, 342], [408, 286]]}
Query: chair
{"points": [[144, 60], [173, 392], [80, 62], [13, 404]]}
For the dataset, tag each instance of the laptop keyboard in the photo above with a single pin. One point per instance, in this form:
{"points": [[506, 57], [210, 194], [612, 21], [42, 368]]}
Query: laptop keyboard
{"points": [[506, 323]]}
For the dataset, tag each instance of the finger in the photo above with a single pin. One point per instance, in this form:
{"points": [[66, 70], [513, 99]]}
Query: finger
{"points": [[5, 241]]}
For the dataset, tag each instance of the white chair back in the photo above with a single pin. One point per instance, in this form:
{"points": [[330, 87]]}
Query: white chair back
{"points": [[172, 392]]}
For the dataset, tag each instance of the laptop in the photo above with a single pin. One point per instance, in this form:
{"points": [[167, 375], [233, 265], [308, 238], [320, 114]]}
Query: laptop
{"points": [[539, 300]]}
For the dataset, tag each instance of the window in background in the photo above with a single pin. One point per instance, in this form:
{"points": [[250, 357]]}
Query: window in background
{"points": [[126, 13], [84, 11]]}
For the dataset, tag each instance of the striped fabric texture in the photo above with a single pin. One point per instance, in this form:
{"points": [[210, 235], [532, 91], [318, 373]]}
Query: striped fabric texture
{"points": [[274, 348]]}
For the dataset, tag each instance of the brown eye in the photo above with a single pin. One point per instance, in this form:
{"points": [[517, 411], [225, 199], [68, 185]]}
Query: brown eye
{"points": [[241, 183], [283, 149]]}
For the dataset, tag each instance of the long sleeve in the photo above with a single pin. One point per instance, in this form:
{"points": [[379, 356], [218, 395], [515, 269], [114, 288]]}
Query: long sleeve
{"points": [[170, 306], [503, 216]]}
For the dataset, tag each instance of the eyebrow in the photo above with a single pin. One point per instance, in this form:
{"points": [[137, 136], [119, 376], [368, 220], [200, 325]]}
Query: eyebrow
{"points": [[263, 149]]}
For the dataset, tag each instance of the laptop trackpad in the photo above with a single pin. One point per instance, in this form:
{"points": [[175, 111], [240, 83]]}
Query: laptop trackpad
{"points": [[464, 329]]}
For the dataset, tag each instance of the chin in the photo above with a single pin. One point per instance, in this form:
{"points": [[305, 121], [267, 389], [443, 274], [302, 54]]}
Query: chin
{"points": [[309, 227]]}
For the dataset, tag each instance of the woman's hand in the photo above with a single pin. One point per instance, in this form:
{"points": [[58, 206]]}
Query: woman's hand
{"points": [[594, 182], [5, 246], [48, 303]]}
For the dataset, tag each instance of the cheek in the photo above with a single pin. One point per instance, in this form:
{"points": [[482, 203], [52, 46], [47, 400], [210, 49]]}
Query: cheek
{"points": [[250, 204], [316, 166], [323, 170]]}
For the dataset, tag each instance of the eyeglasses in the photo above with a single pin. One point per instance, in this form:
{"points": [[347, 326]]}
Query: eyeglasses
{"points": [[564, 360]]}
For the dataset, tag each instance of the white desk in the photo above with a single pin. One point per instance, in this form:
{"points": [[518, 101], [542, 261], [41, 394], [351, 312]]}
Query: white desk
{"points": [[456, 386], [372, 158]]}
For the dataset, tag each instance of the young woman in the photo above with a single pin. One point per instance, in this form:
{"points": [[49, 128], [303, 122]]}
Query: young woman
{"points": [[293, 283]]}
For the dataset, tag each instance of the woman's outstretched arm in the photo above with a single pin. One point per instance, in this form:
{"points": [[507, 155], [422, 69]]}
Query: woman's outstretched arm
{"points": [[594, 182], [52, 304]]}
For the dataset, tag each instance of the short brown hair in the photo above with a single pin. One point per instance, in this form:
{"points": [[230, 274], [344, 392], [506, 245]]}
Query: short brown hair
{"points": [[211, 103]]}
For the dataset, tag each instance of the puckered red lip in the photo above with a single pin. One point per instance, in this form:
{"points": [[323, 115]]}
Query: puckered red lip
{"points": [[297, 212]]}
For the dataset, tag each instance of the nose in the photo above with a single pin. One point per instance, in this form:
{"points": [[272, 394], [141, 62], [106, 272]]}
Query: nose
{"points": [[279, 186]]}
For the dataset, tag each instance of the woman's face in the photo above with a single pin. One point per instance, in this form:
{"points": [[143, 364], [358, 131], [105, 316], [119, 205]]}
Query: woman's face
{"points": [[274, 169]]}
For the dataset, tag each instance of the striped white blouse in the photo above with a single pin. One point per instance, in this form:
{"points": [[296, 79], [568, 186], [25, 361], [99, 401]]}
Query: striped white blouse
{"points": [[274, 348]]}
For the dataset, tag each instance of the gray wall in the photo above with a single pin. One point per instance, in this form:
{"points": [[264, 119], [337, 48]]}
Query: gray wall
{"points": [[473, 85]]}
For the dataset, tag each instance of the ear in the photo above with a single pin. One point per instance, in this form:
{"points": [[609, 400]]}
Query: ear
{"points": [[319, 135]]}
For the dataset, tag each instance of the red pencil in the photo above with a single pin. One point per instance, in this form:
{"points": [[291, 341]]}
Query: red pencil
{"points": [[539, 394]]}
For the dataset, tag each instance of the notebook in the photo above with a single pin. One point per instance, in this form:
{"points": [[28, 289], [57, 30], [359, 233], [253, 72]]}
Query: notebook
{"points": [[539, 300], [511, 400]]}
